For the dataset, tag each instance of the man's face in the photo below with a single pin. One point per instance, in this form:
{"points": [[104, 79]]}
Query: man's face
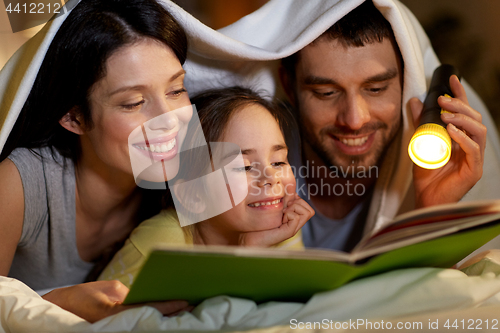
{"points": [[349, 101]]}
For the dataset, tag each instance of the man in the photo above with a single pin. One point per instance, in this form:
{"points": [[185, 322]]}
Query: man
{"points": [[346, 88], [364, 152]]}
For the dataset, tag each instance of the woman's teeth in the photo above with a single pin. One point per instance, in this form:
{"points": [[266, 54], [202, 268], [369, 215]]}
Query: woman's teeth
{"points": [[265, 203], [354, 142], [159, 148]]}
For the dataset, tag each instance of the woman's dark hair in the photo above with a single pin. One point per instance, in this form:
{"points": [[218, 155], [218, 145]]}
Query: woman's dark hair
{"points": [[76, 59]]}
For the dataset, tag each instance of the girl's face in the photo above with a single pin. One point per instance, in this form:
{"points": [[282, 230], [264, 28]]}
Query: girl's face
{"points": [[143, 82], [270, 180]]}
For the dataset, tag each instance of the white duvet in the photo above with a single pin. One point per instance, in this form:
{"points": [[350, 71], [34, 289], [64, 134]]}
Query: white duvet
{"points": [[409, 295]]}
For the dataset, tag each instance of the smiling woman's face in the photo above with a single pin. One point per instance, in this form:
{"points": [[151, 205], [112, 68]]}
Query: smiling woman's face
{"points": [[142, 93]]}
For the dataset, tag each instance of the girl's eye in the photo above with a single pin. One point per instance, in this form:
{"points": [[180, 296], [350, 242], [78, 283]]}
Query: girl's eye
{"points": [[246, 168], [279, 164], [133, 106]]}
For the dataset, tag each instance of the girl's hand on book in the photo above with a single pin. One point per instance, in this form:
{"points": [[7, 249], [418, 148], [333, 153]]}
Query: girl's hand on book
{"points": [[296, 213], [94, 301], [451, 182]]}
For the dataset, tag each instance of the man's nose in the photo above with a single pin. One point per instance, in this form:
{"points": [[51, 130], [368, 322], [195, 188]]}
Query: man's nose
{"points": [[355, 112]]}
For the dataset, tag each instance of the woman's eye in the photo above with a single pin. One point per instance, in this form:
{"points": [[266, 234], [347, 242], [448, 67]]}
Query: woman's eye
{"points": [[178, 92], [133, 106]]}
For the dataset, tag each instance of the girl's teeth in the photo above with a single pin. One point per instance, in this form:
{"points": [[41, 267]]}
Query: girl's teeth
{"points": [[267, 203]]}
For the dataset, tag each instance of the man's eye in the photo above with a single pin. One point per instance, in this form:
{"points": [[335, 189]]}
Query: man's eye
{"points": [[377, 90], [132, 106], [323, 93]]}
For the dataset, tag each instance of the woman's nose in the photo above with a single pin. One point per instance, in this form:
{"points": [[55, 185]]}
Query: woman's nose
{"points": [[165, 121]]}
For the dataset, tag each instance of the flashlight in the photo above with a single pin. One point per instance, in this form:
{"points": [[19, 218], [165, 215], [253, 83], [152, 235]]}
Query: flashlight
{"points": [[430, 146]]}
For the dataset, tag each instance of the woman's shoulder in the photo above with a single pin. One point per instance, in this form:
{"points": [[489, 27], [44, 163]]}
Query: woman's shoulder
{"points": [[48, 188], [37, 156]]}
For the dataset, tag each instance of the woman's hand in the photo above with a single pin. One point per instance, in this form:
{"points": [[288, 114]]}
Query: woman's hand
{"points": [[296, 213], [94, 301], [451, 182]]}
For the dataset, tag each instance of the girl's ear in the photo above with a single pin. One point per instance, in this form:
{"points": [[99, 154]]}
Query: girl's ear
{"points": [[72, 121], [191, 200]]}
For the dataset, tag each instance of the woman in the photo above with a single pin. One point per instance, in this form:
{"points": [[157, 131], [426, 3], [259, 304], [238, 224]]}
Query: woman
{"points": [[68, 195]]}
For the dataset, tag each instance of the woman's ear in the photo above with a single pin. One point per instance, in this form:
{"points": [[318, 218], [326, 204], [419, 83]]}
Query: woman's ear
{"points": [[72, 121]]}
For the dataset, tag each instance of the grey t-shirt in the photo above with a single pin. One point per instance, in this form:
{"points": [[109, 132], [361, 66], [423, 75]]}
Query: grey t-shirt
{"points": [[47, 255]]}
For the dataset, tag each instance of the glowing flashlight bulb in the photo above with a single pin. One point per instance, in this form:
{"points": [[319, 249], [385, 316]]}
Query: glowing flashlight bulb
{"points": [[430, 146]]}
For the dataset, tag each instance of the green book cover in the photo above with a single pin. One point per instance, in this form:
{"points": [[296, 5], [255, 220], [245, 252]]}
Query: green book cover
{"points": [[278, 275]]}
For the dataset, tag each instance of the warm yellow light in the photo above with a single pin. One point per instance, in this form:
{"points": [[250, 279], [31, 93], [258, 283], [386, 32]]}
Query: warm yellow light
{"points": [[430, 146]]}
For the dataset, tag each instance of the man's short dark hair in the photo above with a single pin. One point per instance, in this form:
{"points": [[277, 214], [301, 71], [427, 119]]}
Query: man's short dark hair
{"points": [[364, 24]]}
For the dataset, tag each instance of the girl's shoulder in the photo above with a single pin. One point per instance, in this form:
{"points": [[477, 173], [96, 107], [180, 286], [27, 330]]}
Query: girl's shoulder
{"points": [[162, 229]]}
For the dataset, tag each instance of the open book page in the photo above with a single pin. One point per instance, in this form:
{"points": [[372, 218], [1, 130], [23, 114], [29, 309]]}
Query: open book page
{"points": [[417, 234], [410, 228], [429, 223], [439, 213]]}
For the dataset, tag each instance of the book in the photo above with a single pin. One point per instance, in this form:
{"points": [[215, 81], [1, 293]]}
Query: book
{"points": [[437, 236]]}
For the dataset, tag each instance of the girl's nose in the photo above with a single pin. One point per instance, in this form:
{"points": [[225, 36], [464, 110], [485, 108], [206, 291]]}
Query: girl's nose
{"points": [[269, 177]]}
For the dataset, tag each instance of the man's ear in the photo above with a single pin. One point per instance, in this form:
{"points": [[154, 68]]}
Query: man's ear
{"points": [[72, 121], [287, 84], [189, 198]]}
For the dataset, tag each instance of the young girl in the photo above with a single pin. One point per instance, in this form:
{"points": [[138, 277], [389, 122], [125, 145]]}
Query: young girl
{"points": [[270, 214]]}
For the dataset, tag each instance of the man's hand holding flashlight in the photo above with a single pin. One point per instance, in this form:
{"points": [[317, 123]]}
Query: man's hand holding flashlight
{"points": [[464, 124]]}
